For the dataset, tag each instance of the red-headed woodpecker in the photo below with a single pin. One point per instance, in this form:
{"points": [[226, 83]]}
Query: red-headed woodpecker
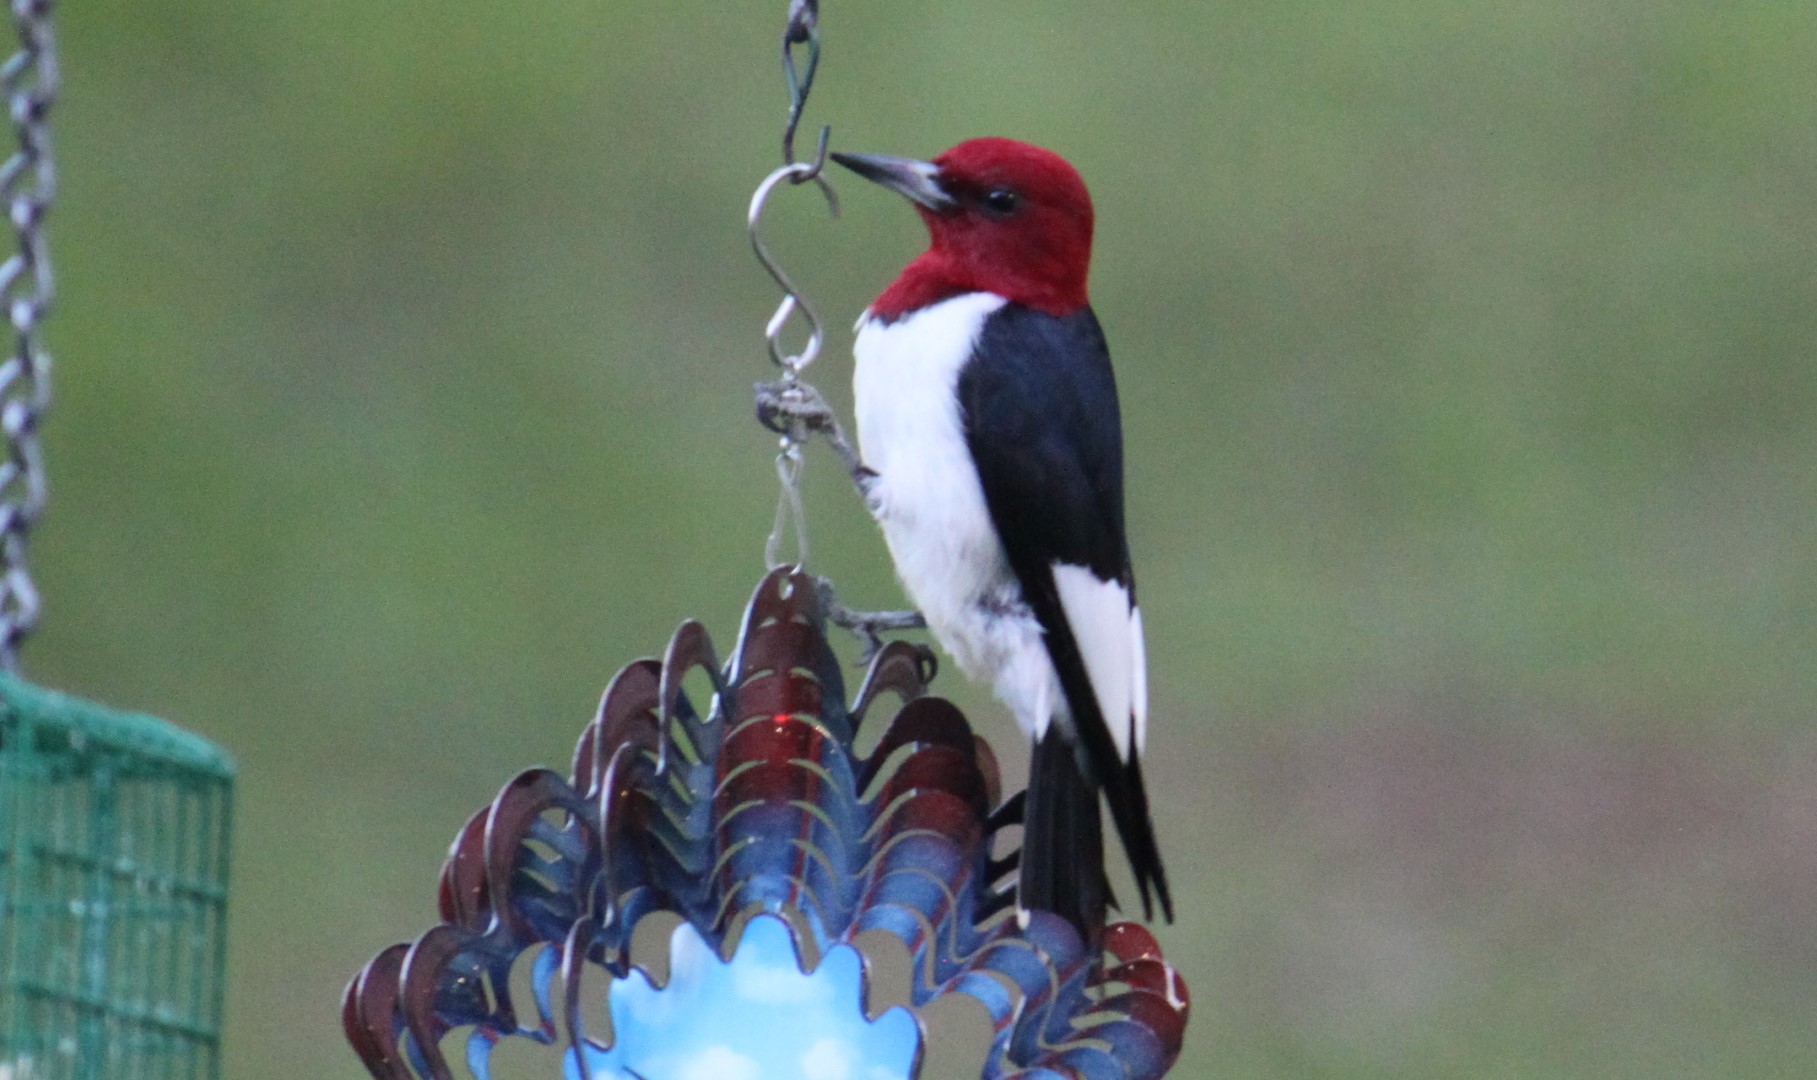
{"points": [[988, 413]]}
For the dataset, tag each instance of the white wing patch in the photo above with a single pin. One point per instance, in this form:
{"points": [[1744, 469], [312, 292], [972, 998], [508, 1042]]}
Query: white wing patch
{"points": [[1138, 650], [1108, 631]]}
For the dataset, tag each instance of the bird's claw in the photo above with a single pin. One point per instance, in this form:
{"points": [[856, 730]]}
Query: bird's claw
{"points": [[868, 650], [870, 627], [793, 409], [796, 410]]}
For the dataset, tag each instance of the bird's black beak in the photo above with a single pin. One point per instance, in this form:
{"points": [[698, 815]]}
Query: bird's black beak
{"points": [[918, 181]]}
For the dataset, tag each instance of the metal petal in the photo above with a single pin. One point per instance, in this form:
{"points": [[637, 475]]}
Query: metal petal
{"points": [[760, 801]]}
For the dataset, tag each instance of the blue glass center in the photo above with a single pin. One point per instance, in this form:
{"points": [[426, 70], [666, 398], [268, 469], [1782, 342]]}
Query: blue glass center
{"points": [[755, 1017]]}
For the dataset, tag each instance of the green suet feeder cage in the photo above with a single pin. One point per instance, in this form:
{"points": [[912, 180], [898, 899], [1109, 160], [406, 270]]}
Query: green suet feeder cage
{"points": [[113, 826], [113, 891]]}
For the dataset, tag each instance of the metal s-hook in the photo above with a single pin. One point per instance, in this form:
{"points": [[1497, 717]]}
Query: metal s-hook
{"points": [[802, 28], [792, 300], [790, 392]]}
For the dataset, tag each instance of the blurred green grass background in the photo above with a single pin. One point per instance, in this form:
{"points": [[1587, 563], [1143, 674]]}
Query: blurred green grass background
{"points": [[404, 356]]}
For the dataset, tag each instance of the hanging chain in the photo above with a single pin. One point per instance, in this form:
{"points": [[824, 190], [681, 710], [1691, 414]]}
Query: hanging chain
{"points": [[790, 406], [27, 188], [787, 396]]}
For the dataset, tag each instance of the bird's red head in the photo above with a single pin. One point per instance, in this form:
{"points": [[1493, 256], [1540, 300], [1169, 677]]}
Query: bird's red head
{"points": [[1002, 216]]}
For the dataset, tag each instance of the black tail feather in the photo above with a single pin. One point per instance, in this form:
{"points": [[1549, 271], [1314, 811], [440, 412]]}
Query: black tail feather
{"points": [[1062, 867], [1120, 780], [1127, 795]]}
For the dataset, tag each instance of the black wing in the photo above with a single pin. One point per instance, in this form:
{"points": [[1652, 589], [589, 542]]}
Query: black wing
{"points": [[1041, 419]]}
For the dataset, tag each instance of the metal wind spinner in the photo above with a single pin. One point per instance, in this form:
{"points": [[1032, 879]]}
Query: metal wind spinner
{"points": [[755, 822]]}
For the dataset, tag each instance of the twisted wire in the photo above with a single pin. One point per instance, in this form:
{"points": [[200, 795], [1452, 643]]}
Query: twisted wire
{"points": [[28, 81]]}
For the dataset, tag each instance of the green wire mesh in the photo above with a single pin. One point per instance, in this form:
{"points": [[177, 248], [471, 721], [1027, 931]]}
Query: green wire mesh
{"points": [[113, 892]]}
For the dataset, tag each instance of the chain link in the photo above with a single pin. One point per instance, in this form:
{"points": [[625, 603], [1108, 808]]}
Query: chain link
{"points": [[27, 187], [803, 29]]}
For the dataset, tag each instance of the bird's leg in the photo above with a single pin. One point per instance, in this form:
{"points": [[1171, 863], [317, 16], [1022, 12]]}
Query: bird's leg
{"points": [[868, 625], [797, 409], [871, 625]]}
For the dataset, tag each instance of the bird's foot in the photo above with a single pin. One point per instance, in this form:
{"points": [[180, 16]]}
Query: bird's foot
{"points": [[793, 409], [870, 626], [796, 410]]}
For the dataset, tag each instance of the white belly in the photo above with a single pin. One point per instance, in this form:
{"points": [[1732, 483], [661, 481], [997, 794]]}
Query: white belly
{"points": [[928, 500]]}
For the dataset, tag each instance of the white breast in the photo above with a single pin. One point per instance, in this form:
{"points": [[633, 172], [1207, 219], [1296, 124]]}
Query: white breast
{"points": [[928, 500]]}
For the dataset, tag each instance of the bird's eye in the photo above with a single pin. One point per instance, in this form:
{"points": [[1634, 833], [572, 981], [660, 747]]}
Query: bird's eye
{"points": [[1002, 201]]}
